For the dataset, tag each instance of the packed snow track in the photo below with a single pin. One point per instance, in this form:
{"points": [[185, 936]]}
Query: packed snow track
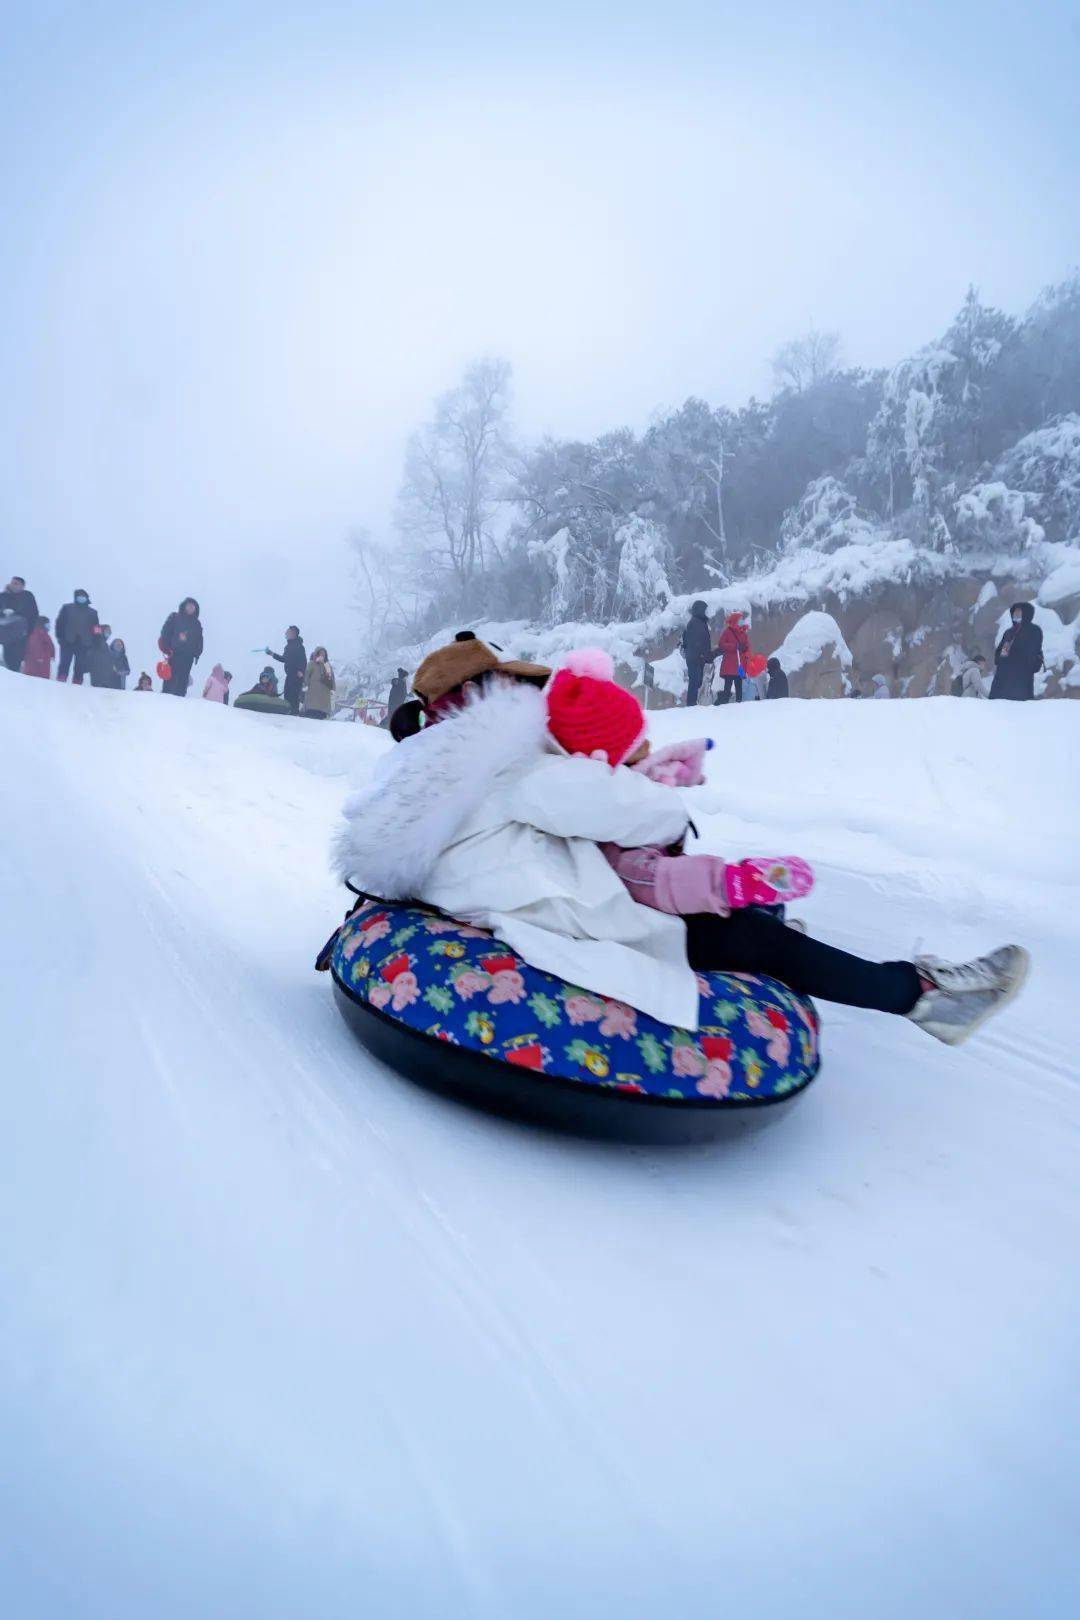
{"points": [[289, 1339]]}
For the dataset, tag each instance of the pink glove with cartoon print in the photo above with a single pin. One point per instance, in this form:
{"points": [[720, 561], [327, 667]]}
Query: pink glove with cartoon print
{"points": [[767, 880], [678, 764]]}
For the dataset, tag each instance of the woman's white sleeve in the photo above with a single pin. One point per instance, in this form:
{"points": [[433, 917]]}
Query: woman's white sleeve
{"points": [[583, 798]]}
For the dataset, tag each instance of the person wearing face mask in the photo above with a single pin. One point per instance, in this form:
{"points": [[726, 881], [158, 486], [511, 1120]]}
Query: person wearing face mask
{"points": [[76, 625], [1019, 656], [181, 641]]}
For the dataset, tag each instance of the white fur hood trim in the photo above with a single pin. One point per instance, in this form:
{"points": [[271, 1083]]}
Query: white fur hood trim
{"points": [[427, 788]]}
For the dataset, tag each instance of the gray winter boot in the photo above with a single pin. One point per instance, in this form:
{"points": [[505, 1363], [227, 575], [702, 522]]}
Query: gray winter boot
{"points": [[965, 994]]}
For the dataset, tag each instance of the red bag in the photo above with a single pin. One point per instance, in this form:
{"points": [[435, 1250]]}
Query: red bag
{"points": [[164, 669]]}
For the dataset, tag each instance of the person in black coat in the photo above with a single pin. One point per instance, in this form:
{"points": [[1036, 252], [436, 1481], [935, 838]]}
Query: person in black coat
{"points": [[697, 649], [121, 666], [295, 660], [399, 691], [1019, 655], [778, 682], [21, 605], [181, 641], [100, 661], [76, 624]]}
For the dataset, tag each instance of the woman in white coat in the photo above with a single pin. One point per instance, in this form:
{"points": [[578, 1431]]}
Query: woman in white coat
{"points": [[493, 817]]}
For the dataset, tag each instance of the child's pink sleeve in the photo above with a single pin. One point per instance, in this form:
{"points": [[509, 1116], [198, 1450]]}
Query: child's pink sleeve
{"points": [[637, 870], [678, 884]]}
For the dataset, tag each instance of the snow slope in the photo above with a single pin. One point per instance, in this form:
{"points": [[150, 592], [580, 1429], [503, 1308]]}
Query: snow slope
{"points": [[284, 1337]]}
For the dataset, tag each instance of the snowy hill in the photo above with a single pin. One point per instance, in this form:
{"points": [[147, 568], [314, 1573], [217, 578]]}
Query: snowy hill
{"points": [[285, 1337]]}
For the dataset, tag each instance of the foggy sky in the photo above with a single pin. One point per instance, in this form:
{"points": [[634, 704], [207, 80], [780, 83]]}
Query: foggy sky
{"points": [[246, 245]]}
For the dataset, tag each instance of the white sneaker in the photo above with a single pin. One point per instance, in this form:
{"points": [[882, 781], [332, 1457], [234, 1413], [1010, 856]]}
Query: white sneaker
{"points": [[966, 994], [796, 925]]}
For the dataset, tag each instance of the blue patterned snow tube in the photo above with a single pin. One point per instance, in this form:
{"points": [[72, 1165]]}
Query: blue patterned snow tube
{"points": [[451, 1006]]}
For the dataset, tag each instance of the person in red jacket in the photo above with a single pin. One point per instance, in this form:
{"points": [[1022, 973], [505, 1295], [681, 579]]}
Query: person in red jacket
{"points": [[40, 652], [733, 648]]}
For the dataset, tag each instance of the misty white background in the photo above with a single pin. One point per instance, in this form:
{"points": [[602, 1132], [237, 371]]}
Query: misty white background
{"points": [[247, 245]]}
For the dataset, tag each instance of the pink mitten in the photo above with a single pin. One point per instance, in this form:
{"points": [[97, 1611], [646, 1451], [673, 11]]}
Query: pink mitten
{"points": [[767, 881], [678, 764]]}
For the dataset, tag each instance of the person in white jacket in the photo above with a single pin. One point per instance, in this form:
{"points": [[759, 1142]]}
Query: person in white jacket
{"points": [[493, 816], [973, 677]]}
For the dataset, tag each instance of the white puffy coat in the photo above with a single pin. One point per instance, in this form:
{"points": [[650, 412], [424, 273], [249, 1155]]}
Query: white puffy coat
{"points": [[480, 817], [973, 683]]}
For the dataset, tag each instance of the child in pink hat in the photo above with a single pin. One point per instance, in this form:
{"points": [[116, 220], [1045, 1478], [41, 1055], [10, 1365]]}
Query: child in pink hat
{"points": [[591, 716]]}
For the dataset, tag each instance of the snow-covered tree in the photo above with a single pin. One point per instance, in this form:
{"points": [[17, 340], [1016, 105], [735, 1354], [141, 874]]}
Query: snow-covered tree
{"points": [[447, 500], [803, 361], [1046, 466], [991, 516], [825, 519], [642, 582]]}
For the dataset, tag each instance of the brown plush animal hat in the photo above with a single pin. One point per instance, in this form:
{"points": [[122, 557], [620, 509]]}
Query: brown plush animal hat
{"points": [[465, 659]]}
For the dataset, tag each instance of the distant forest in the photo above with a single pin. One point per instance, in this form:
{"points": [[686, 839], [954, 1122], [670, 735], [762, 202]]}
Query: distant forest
{"points": [[973, 442]]}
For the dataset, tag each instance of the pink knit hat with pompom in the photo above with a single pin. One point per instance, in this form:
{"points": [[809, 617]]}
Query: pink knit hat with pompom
{"points": [[589, 713]]}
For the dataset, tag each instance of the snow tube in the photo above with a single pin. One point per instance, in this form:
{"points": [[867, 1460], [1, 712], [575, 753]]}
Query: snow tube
{"points": [[261, 703], [454, 1009]]}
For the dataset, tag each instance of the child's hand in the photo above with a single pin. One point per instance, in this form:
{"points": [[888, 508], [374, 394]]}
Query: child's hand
{"points": [[679, 764], [767, 881]]}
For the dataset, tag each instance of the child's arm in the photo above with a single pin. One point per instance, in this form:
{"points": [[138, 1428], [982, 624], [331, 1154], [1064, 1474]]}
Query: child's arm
{"points": [[678, 884], [685, 884]]}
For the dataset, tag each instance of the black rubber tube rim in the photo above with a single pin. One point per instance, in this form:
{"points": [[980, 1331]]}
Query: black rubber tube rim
{"points": [[553, 1100]]}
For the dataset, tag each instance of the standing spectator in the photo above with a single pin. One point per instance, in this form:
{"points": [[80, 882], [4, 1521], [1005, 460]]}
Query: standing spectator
{"points": [[181, 641], [216, 688], [733, 648], [144, 683], [881, 687], [75, 626], [697, 649], [755, 680], [972, 677], [295, 660], [319, 698], [399, 691], [120, 663], [100, 661], [778, 681], [1019, 656], [21, 610], [40, 651]]}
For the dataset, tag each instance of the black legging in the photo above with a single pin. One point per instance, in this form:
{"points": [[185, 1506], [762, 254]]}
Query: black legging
{"points": [[729, 682], [753, 942]]}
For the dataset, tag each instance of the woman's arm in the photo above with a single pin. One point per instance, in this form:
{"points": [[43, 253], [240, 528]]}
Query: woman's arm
{"points": [[583, 798]]}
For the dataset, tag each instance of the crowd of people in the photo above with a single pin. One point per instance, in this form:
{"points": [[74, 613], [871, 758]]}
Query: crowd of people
{"points": [[1018, 658], [717, 670], [88, 649]]}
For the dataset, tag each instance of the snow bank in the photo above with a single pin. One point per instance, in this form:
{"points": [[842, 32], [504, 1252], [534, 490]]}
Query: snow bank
{"points": [[807, 640], [285, 1337]]}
